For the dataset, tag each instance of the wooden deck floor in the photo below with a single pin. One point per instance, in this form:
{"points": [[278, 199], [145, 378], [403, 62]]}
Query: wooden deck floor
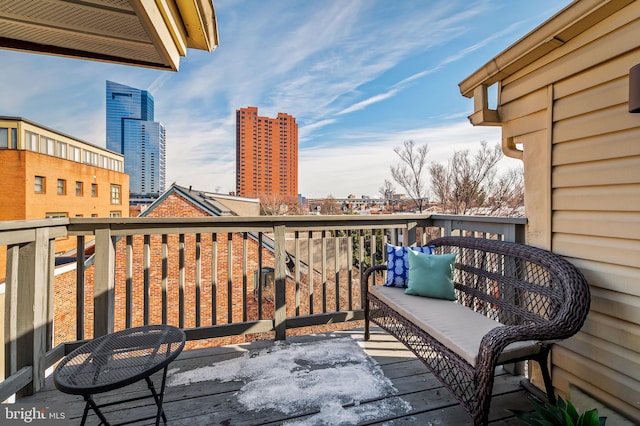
{"points": [[216, 403]]}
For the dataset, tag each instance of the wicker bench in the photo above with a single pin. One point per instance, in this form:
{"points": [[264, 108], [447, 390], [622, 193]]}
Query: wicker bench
{"points": [[513, 302]]}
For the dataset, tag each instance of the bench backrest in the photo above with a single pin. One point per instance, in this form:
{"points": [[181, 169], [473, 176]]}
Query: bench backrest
{"points": [[518, 284]]}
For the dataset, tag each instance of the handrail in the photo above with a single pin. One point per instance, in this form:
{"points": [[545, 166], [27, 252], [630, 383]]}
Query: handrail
{"points": [[312, 260]]}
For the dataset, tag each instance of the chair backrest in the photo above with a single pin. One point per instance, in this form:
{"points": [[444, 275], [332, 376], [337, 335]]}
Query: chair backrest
{"points": [[518, 284]]}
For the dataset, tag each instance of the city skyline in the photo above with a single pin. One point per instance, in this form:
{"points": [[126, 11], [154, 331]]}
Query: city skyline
{"points": [[360, 77]]}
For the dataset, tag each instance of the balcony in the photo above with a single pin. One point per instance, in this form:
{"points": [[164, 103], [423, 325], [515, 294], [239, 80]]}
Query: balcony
{"points": [[233, 284]]}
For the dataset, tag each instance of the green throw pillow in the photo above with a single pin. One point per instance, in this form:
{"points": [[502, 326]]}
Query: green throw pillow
{"points": [[431, 275]]}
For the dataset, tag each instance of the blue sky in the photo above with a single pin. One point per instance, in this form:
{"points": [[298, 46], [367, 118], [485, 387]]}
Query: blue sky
{"points": [[360, 76]]}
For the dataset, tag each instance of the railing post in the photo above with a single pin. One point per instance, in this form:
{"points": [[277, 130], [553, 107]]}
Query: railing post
{"points": [[103, 286], [280, 320], [26, 308], [410, 237]]}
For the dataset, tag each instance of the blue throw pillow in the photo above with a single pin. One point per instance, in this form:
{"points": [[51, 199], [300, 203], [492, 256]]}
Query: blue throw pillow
{"points": [[431, 275], [398, 264]]}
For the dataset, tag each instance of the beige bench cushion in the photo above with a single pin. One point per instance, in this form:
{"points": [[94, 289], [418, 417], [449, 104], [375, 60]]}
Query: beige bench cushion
{"points": [[455, 326]]}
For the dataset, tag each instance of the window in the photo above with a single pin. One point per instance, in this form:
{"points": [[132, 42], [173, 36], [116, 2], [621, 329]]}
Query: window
{"points": [[31, 141], [94, 214], [62, 187], [91, 157], [79, 189], [115, 194], [94, 189], [80, 215], [61, 150], [74, 153], [4, 138], [51, 146], [115, 213], [52, 215], [39, 185]]}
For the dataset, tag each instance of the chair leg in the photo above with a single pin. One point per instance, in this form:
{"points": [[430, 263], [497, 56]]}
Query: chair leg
{"points": [[91, 403], [158, 397], [543, 361], [366, 321]]}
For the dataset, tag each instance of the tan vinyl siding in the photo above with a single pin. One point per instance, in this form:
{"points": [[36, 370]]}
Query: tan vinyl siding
{"points": [[594, 194], [610, 198], [599, 224]]}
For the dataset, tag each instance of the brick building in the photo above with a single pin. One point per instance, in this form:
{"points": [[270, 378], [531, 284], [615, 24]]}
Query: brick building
{"points": [[184, 202], [266, 155], [48, 174], [177, 201]]}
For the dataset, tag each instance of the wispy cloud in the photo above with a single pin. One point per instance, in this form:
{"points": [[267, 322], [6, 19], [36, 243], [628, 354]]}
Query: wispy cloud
{"points": [[372, 100], [355, 74]]}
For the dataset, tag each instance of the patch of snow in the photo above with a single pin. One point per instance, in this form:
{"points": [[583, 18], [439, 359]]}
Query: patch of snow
{"points": [[294, 378]]}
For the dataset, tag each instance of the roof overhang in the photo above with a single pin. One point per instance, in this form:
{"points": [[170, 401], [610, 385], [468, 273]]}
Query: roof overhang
{"points": [[571, 21], [147, 33]]}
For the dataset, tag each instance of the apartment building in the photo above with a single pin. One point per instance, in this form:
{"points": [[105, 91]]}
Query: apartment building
{"points": [[48, 174], [266, 154]]}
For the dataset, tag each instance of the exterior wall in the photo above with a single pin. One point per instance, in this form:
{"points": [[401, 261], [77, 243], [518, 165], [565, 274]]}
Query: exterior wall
{"points": [[568, 111], [18, 186], [266, 154]]}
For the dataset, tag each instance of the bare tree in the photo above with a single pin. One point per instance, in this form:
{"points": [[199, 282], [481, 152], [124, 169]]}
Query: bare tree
{"points": [[330, 206], [408, 173], [441, 185], [467, 180], [506, 197], [278, 205], [387, 190]]}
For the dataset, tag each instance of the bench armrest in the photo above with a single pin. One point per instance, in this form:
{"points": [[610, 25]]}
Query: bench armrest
{"points": [[370, 270]]}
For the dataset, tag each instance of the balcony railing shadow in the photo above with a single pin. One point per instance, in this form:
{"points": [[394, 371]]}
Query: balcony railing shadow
{"points": [[222, 280]]}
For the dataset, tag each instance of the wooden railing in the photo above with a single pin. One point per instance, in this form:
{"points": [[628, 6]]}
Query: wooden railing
{"points": [[213, 277]]}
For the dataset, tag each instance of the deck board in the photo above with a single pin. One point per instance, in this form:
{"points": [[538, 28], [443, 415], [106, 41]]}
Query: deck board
{"points": [[215, 403]]}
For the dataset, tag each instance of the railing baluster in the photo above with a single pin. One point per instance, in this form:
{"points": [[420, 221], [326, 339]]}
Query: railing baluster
{"points": [[324, 271], [260, 282], [214, 278], [165, 277], [297, 272], [80, 273], [198, 272], [129, 281], [372, 250], [181, 281], [350, 270], [146, 297], [361, 264], [280, 272], [337, 265], [310, 268], [245, 257], [229, 278]]}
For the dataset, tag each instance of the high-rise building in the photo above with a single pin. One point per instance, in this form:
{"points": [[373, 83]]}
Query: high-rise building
{"points": [[266, 154], [132, 132]]}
